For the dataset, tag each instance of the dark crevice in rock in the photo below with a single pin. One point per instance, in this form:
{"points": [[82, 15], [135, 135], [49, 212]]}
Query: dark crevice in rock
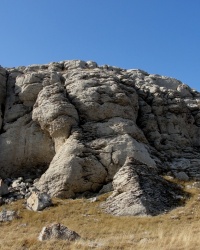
{"points": [[3, 112], [159, 195], [15, 119], [32, 172], [140, 190], [3, 104]]}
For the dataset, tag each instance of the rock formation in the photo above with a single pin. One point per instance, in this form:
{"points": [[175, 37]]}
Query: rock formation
{"points": [[139, 190], [75, 123]]}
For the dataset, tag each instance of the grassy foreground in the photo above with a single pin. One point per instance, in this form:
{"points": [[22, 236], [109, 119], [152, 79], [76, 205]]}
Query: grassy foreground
{"points": [[178, 229]]}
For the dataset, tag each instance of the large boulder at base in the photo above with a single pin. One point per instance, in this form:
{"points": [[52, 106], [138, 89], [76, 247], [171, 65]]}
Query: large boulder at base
{"points": [[139, 190], [57, 231]]}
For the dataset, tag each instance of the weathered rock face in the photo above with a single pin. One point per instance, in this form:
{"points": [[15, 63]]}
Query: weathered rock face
{"points": [[139, 190], [77, 123]]}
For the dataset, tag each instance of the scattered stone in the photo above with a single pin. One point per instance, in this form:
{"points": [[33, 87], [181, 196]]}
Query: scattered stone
{"points": [[38, 201], [28, 180], [22, 225], [16, 189], [189, 186], [57, 231], [175, 217], [106, 188], [93, 199], [182, 176], [19, 197], [196, 184], [7, 215], [15, 184], [144, 241]]}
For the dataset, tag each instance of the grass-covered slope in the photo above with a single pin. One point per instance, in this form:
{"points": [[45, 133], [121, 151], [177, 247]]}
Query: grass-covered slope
{"points": [[178, 229]]}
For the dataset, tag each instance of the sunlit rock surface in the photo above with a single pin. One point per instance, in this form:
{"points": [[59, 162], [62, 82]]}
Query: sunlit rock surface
{"points": [[76, 123]]}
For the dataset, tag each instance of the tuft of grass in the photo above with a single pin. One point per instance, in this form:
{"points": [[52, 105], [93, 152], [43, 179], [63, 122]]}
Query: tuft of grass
{"points": [[178, 229]]}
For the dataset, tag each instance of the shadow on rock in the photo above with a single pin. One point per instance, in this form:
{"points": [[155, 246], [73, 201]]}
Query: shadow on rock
{"points": [[139, 190]]}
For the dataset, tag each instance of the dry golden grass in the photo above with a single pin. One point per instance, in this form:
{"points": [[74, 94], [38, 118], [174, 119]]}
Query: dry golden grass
{"points": [[178, 229]]}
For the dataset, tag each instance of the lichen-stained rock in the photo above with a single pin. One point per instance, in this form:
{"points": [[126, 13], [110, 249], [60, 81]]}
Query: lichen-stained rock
{"points": [[139, 190]]}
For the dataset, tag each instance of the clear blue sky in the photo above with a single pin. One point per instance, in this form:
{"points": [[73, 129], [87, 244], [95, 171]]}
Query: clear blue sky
{"points": [[158, 36]]}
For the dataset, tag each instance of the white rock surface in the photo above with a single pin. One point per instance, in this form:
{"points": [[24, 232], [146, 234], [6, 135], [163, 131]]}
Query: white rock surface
{"points": [[140, 191], [38, 201], [75, 123]]}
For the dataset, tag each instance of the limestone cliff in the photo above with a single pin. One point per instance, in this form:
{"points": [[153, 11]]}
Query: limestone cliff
{"points": [[74, 124]]}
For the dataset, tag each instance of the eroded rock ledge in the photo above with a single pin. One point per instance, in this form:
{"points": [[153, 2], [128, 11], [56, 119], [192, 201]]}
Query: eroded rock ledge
{"points": [[76, 123]]}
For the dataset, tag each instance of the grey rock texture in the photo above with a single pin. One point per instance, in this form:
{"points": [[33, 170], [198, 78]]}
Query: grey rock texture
{"points": [[57, 231], [182, 176], [15, 189], [139, 190], [38, 201], [76, 123], [23, 145], [3, 80], [8, 215]]}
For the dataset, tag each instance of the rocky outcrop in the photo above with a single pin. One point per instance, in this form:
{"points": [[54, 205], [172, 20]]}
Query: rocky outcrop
{"points": [[139, 190], [23, 145], [75, 123]]}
